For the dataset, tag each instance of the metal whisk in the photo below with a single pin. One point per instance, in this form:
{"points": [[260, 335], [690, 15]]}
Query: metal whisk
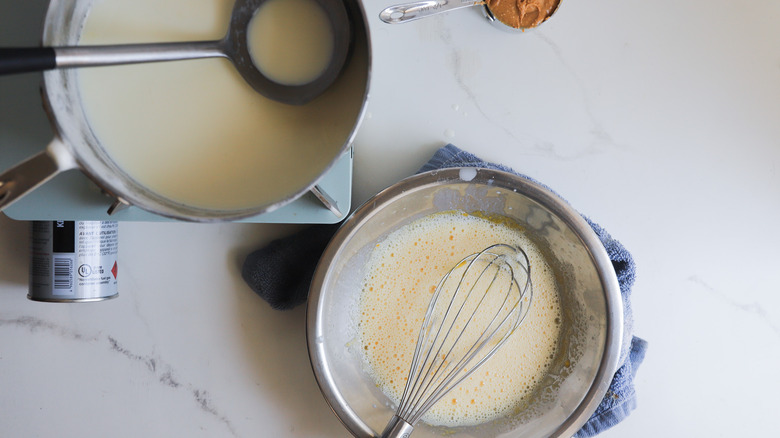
{"points": [[476, 306]]}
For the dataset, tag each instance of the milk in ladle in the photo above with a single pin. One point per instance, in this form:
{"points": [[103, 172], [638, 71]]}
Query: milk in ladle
{"points": [[291, 41]]}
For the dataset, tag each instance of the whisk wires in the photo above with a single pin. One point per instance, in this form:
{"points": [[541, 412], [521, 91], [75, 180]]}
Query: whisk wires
{"points": [[475, 308]]}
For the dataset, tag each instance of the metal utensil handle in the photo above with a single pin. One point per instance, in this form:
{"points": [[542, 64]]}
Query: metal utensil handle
{"points": [[90, 56], [26, 59], [31, 173], [397, 428], [415, 10], [21, 60]]}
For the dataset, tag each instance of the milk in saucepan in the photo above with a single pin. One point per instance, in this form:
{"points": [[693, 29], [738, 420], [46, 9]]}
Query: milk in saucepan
{"points": [[194, 131]]}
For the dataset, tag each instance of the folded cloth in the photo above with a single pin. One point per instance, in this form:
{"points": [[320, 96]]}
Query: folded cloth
{"points": [[282, 271]]}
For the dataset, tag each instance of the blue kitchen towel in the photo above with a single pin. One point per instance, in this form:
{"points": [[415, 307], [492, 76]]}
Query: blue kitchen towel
{"points": [[281, 277]]}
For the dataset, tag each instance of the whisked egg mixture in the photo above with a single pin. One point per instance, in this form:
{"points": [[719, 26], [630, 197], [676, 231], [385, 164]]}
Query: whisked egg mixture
{"points": [[402, 274]]}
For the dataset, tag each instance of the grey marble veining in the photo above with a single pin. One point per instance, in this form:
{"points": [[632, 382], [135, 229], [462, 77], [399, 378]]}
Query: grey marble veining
{"points": [[158, 369], [659, 121]]}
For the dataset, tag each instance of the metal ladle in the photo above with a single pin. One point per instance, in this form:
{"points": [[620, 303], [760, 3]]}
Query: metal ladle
{"points": [[233, 46]]}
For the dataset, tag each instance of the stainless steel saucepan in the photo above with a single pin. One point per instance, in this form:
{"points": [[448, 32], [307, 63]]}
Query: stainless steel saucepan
{"points": [[75, 145]]}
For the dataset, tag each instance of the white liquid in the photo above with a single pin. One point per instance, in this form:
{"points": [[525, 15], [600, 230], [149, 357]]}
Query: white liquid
{"points": [[194, 131], [403, 272], [291, 41]]}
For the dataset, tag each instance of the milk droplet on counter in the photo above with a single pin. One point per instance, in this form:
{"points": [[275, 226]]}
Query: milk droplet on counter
{"points": [[468, 173], [449, 133]]}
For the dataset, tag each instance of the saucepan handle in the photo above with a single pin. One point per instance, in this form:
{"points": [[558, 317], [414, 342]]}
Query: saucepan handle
{"points": [[31, 173]]}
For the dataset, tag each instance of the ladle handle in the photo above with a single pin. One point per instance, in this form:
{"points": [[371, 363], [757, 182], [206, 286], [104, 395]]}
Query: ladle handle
{"points": [[26, 59], [23, 60], [415, 10]]}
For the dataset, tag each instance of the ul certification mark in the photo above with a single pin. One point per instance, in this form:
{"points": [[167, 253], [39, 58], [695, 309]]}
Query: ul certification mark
{"points": [[85, 270]]}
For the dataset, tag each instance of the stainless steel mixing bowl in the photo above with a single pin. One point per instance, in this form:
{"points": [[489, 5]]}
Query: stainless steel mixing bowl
{"points": [[590, 296]]}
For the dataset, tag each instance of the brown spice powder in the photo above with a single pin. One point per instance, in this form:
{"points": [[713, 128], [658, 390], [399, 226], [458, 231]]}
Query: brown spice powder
{"points": [[522, 14]]}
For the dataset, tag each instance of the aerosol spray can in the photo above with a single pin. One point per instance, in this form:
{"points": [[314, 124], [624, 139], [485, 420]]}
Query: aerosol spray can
{"points": [[73, 261]]}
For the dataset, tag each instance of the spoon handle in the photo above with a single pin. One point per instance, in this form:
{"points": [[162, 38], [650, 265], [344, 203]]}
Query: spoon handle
{"points": [[415, 10], [22, 60]]}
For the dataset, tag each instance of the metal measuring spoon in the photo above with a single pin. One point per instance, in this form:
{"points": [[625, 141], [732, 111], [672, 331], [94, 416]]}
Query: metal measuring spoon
{"points": [[233, 46], [405, 12]]}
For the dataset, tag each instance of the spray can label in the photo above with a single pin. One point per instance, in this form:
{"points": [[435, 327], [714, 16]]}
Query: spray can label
{"points": [[74, 260]]}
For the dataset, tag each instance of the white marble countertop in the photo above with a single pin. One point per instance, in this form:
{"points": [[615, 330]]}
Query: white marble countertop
{"points": [[659, 120]]}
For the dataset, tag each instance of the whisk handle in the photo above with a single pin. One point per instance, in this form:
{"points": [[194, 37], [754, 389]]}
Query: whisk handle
{"points": [[397, 428]]}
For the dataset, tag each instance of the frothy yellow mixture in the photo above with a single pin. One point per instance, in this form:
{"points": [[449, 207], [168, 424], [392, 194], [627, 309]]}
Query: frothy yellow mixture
{"points": [[402, 274]]}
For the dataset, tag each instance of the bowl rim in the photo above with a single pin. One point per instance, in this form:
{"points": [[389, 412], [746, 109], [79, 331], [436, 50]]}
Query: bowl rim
{"points": [[527, 187]]}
